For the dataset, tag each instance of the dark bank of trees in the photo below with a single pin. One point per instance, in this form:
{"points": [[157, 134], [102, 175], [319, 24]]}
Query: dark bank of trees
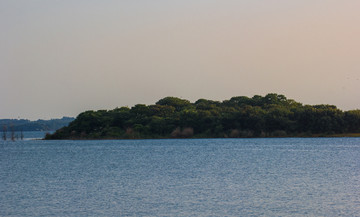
{"points": [[270, 116]]}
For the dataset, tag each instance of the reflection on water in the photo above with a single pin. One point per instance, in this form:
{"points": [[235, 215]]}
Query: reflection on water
{"points": [[204, 177]]}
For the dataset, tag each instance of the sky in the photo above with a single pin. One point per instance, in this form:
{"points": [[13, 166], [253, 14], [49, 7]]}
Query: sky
{"points": [[62, 57]]}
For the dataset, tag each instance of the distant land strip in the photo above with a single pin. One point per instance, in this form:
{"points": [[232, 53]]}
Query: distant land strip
{"points": [[272, 115], [38, 125]]}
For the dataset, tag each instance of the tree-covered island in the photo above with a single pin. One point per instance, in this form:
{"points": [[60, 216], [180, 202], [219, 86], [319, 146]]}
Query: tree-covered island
{"points": [[270, 116]]}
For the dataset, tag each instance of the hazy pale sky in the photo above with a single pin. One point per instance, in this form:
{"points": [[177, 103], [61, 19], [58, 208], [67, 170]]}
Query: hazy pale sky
{"points": [[61, 57]]}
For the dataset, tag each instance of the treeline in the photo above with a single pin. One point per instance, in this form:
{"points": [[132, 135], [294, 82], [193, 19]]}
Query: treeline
{"points": [[38, 125], [270, 116]]}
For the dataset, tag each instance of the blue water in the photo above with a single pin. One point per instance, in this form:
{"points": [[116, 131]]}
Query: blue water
{"points": [[201, 177]]}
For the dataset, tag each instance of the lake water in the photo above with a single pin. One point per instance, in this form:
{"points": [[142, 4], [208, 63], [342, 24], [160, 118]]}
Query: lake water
{"points": [[199, 177]]}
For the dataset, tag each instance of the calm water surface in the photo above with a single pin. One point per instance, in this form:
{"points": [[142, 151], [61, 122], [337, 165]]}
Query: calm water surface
{"points": [[205, 177]]}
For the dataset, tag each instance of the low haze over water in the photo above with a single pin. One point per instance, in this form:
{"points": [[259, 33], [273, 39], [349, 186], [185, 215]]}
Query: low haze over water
{"points": [[198, 177]]}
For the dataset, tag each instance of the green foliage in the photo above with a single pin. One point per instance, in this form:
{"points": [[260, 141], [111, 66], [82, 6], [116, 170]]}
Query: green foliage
{"points": [[175, 102], [352, 121], [272, 116]]}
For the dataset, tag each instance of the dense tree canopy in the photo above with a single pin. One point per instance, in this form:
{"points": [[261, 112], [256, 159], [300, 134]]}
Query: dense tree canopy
{"points": [[270, 116]]}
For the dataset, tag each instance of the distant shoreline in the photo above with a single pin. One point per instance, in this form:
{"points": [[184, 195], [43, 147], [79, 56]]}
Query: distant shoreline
{"points": [[26, 125]]}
